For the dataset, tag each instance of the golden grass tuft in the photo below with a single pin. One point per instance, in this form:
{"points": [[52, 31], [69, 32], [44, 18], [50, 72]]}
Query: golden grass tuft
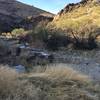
{"points": [[7, 79], [11, 88], [60, 72]]}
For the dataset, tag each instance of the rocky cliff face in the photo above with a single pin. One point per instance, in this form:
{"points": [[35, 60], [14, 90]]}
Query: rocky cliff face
{"points": [[74, 6], [13, 13]]}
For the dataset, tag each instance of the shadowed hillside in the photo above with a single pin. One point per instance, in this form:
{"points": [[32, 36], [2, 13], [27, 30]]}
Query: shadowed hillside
{"points": [[14, 13]]}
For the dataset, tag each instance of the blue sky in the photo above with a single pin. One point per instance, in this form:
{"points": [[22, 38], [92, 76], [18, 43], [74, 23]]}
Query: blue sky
{"points": [[49, 5]]}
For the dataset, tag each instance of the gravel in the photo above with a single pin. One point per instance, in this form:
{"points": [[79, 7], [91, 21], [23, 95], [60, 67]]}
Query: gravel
{"points": [[87, 65]]}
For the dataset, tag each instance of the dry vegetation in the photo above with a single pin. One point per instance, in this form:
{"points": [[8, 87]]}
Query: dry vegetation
{"points": [[11, 88], [79, 16], [55, 83], [82, 24], [59, 72]]}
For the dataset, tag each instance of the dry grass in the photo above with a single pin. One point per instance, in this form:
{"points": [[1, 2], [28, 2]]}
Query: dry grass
{"points": [[62, 83], [54, 83], [59, 72], [62, 72], [11, 88], [76, 19], [7, 79]]}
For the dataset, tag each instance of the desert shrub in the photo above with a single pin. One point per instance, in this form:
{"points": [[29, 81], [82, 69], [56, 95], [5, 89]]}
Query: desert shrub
{"points": [[18, 32], [84, 37], [40, 32], [52, 40], [56, 40]]}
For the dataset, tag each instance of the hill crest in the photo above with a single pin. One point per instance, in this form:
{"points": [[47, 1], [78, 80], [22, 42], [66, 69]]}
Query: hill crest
{"points": [[73, 6]]}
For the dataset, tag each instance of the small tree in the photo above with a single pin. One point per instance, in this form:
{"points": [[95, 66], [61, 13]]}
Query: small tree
{"points": [[84, 37]]}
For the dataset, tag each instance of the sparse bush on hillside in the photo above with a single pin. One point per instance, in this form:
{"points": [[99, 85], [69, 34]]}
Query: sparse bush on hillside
{"points": [[56, 41], [81, 33], [18, 32], [40, 32], [51, 40], [84, 37]]}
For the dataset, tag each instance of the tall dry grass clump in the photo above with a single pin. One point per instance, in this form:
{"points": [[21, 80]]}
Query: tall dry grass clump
{"points": [[60, 72], [12, 88], [63, 72], [7, 80]]}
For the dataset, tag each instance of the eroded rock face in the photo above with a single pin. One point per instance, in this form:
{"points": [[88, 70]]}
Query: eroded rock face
{"points": [[13, 13], [31, 22], [72, 6]]}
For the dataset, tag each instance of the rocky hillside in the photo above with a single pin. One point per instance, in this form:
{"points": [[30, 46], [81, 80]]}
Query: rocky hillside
{"points": [[75, 15], [74, 6], [14, 14], [80, 22]]}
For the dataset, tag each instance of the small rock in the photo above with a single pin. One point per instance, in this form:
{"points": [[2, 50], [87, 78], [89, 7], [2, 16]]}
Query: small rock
{"points": [[20, 68]]}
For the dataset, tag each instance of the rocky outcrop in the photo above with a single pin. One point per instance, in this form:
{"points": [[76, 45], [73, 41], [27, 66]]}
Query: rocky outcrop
{"points": [[13, 13], [31, 22], [72, 6]]}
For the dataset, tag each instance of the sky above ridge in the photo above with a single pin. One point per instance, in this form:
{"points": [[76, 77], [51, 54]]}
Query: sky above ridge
{"points": [[53, 6]]}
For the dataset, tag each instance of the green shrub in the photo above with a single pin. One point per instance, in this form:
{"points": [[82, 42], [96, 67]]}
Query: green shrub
{"points": [[18, 32]]}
